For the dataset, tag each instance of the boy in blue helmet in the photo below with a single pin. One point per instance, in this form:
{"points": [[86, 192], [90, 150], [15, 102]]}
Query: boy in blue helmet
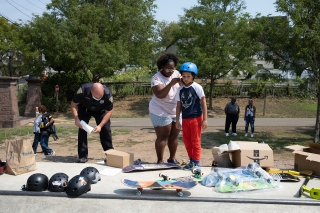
{"points": [[191, 103]]}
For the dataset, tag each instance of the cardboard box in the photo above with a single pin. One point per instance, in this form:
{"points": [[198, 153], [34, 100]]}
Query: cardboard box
{"points": [[119, 159], [306, 158], [251, 152]]}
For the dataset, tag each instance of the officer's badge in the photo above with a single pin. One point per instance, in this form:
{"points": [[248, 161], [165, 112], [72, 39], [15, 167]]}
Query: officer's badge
{"points": [[79, 91], [101, 101], [111, 99]]}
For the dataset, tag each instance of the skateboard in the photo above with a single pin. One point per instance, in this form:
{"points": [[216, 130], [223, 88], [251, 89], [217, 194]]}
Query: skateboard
{"points": [[284, 177], [149, 166], [301, 173], [245, 178], [190, 178], [231, 184], [179, 184]]}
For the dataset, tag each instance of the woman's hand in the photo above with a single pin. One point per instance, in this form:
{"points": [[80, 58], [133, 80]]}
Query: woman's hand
{"points": [[178, 125], [174, 81]]}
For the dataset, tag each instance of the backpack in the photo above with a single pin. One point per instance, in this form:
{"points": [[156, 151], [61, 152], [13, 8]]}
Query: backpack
{"points": [[51, 128]]}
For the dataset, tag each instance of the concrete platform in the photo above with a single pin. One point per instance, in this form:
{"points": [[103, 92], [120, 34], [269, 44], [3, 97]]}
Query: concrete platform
{"points": [[110, 187]]}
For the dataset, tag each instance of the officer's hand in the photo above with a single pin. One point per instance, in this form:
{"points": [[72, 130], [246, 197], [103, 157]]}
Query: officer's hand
{"points": [[97, 129], [77, 122]]}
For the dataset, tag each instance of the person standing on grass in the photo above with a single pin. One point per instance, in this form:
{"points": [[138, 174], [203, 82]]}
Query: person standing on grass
{"points": [[249, 117], [162, 107], [232, 112], [191, 103]]}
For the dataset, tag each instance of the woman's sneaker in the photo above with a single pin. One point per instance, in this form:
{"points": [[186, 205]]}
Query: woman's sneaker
{"points": [[174, 161]]}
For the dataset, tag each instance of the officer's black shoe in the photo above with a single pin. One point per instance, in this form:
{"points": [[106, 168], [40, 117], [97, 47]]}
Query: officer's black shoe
{"points": [[82, 160]]}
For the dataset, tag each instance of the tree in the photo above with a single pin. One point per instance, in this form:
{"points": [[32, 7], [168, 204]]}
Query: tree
{"points": [[10, 40], [213, 35], [93, 36], [163, 38], [296, 46]]}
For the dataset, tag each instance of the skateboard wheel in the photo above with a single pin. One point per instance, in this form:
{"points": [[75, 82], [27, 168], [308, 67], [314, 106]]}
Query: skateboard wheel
{"points": [[160, 174], [180, 194], [138, 192], [165, 177], [258, 174]]}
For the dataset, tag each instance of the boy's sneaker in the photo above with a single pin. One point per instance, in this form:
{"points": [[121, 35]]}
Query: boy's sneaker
{"points": [[227, 134], [252, 135], [82, 160], [245, 135], [174, 161], [234, 134], [52, 153], [189, 166]]}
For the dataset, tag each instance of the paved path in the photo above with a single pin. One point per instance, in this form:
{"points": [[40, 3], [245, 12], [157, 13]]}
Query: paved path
{"points": [[110, 195], [145, 122]]}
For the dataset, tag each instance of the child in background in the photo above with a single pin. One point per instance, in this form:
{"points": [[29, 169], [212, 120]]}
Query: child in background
{"points": [[36, 131], [249, 117], [193, 107], [45, 122]]}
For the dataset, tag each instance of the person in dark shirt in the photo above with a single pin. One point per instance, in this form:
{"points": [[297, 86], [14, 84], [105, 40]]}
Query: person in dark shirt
{"points": [[232, 112], [92, 100], [191, 103]]}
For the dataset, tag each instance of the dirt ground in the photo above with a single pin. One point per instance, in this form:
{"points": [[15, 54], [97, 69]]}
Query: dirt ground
{"points": [[141, 143]]}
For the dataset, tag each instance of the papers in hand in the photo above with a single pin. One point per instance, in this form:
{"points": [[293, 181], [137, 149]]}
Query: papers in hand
{"points": [[86, 127]]}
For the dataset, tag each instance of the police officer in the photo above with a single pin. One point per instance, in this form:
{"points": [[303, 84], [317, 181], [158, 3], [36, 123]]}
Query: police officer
{"points": [[92, 99]]}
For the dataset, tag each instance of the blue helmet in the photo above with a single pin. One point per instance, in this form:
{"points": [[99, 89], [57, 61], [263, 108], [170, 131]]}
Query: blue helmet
{"points": [[189, 67]]}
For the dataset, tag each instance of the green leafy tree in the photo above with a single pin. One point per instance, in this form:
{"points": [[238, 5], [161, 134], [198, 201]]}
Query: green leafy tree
{"points": [[10, 40], [214, 36], [93, 36], [163, 38], [293, 41]]}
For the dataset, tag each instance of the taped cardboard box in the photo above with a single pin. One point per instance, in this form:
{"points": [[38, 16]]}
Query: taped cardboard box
{"points": [[251, 152], [119, 159], [306, 158]]}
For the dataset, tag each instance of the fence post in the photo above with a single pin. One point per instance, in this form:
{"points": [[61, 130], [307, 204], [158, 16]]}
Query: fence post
{"points": [[265, 101]]}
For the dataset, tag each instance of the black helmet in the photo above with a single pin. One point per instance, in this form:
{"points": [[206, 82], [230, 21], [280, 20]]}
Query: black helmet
{"points": [[58, 182], [78, 185], [36, 182], [92, 174]]}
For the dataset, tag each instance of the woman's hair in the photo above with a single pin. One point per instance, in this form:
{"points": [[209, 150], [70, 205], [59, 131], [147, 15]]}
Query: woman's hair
{"points": [[166, 58], [42, 108]]}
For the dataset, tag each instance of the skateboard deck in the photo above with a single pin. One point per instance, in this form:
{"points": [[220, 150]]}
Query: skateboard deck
{"points": [[252, 177], [179, 184], [149, 166], [284, 177]]}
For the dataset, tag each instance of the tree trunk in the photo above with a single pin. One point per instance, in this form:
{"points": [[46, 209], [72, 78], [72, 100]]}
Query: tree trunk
{"points": [[317, 126], [210, 93]]}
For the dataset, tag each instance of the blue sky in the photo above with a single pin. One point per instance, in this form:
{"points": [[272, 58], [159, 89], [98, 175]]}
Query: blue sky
{"points": [[168, 10]]}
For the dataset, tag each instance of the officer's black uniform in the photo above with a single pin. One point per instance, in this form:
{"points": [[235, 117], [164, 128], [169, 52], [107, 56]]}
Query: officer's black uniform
{"points": [[88, 107]]}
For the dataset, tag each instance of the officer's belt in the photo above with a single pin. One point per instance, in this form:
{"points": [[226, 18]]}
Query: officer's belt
{"points": [[100, 112]]}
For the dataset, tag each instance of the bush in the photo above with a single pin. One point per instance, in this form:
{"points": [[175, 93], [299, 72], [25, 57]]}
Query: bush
{"points": [[22, 98], [68, 84]]}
